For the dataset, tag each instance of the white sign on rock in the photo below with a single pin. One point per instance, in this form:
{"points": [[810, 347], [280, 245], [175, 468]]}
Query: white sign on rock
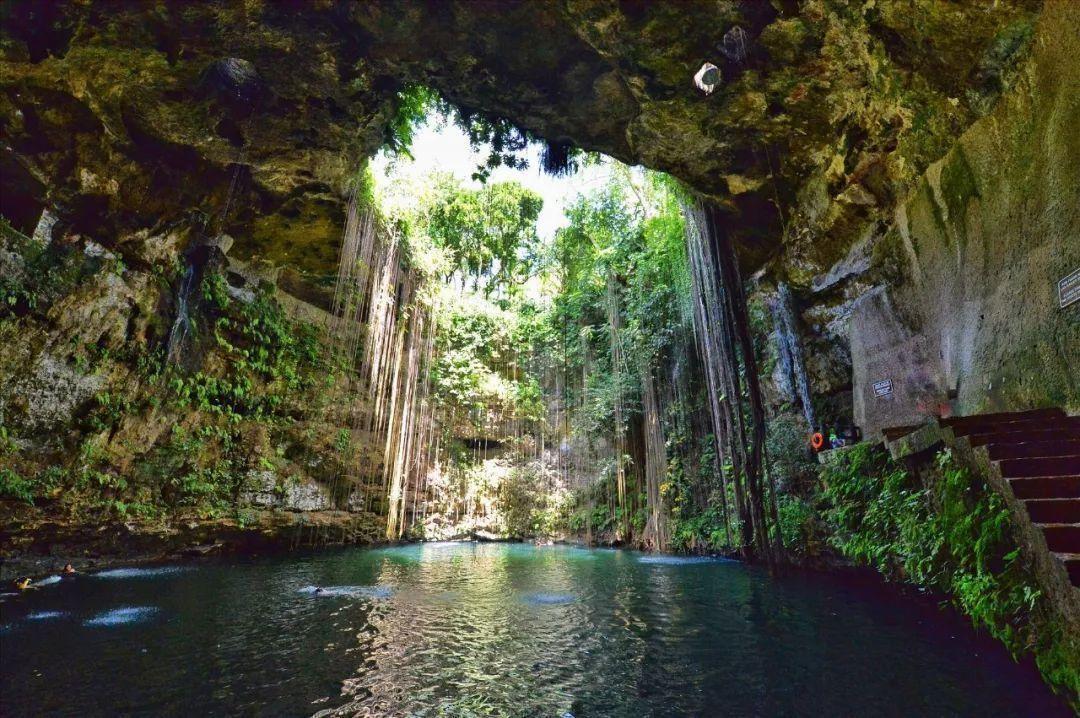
{"points": [[1069, 289], [883, 387]]}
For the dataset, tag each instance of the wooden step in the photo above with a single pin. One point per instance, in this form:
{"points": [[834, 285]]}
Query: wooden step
{"points": [[1046, 487], [1005, 416], [1045, 466], [1024, 436], [1034, 449], [1061, 538], [1054, 511], [979, 426]]}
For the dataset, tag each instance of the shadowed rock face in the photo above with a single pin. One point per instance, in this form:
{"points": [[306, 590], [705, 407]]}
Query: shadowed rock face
{"points": [[124, 115], [968, 316]]}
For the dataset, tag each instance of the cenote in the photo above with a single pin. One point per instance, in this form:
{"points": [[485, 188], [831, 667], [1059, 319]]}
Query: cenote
{"points": [[297, 296], [466, 629]]}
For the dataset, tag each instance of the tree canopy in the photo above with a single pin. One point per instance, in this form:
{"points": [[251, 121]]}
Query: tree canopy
{"points": [[489, 233]]}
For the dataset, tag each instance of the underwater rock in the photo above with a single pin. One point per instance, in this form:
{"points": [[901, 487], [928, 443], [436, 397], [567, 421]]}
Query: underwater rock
{"points": [[735, 45], [52, 391], [307, 496], [43, 232], [262, 490]]}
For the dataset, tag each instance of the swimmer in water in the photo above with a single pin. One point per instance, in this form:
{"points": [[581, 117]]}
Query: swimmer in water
{"points": [[23, 583], [318, 590], [69, 571]]}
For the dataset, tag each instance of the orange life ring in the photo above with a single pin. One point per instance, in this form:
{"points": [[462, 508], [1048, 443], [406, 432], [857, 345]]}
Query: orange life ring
{"points": [[817, 441]]}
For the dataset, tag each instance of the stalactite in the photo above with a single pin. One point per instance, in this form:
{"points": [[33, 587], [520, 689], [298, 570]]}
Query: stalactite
{"points": [[181, 328]]}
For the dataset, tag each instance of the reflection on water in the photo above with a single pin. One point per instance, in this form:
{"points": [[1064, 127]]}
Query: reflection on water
{"points": [[120, 616], [549, 598], [662, 560], [348, 591], [44, 615], [465, 629], [139, 572]]}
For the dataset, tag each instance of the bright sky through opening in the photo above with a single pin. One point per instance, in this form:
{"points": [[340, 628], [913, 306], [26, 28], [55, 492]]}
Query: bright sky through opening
{"points": [[440, 146]]}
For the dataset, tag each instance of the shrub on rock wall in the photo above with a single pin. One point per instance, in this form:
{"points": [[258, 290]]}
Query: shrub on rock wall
{"points": [[95, 422], [952, 533]]}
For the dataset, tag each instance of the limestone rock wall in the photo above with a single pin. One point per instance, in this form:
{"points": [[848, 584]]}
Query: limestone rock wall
{"points": [[967, 316], [104, 430], [122, 116]]}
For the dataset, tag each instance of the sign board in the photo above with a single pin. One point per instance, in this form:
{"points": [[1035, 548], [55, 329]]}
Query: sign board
{"points": [[1069, 289], [883, 387]]}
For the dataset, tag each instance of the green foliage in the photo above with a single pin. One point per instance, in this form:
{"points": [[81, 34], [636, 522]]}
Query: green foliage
{"points": [[48, 272], [791, 462], [15, 486], [490, 233], [623, 252], [111, 409], [694, 492], [7, 442], [798, 525], [478, 364], [211, 487], [597, 518], [414, 104], [519, 501], [702, 531], [343, 441], [267, 358], [881, 515], [502, 140]]}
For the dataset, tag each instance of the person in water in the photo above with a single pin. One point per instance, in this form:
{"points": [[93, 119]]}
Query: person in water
{"points": [[68, 571], [23, 583]]}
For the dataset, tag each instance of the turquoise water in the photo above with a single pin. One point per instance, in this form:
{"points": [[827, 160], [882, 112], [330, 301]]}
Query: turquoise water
{"points": [[495, 629]]}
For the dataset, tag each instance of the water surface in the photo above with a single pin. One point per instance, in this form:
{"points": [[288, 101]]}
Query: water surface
{"points": [[502, 630]]}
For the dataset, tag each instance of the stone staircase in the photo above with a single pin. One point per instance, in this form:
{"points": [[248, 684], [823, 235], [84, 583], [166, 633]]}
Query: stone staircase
{"points": [[1036, 454]]}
